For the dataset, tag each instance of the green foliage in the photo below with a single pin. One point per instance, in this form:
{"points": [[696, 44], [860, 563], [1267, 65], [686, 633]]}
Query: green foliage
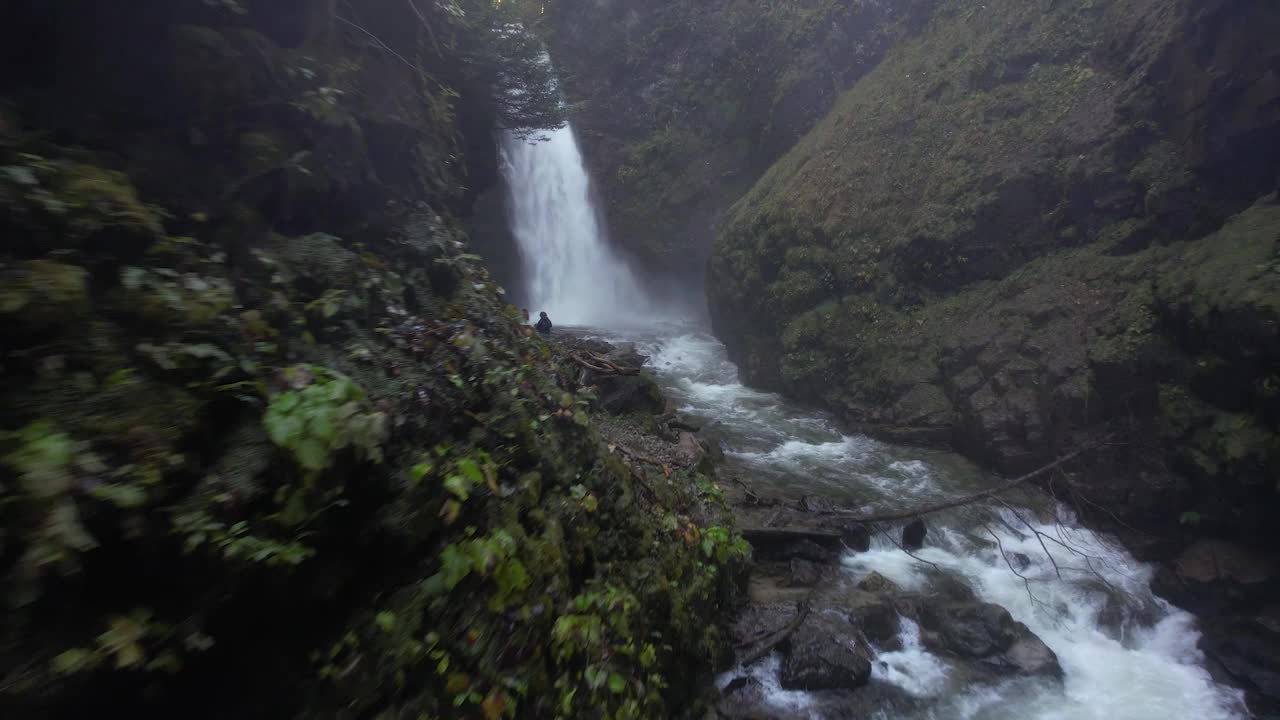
{"points": [[494, 557], [235, 542], [134, 642], [41, 457], [723, 546], [325, 416], [500, 60]]}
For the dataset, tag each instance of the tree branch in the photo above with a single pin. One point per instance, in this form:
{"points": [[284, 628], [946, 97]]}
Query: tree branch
{"points": [[963, 500]]}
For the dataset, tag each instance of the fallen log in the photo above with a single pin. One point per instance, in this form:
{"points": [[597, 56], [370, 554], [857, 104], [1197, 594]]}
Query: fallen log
{"points": [[602, 366], [774, 536], [954, 502]]}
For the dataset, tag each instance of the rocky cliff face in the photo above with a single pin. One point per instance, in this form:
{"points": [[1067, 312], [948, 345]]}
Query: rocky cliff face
{"points": [[273, 444], [680, 106], [1035, 225], [1025, 226]]}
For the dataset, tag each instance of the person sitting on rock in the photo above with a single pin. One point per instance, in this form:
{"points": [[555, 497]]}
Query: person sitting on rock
{"points": [[544, 324]]}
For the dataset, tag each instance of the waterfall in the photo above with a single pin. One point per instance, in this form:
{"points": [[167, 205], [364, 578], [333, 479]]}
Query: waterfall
{"points": [[570, 272]]}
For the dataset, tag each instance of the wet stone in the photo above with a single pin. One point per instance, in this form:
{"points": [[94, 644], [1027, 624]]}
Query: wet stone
{"points": [[803, 573], [913, 534], [856, 537], [879, 623], [877, 583], [826, 653]]}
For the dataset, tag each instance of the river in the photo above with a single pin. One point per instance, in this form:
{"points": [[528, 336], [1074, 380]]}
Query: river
{"points": [[1140, 664]]}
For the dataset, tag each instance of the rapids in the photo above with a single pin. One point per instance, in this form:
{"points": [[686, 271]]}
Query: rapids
{"points": [[1146, 668]]}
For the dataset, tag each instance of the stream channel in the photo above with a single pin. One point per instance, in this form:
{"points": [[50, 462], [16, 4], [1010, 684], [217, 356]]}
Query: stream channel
{"points": [[1125, 654]]}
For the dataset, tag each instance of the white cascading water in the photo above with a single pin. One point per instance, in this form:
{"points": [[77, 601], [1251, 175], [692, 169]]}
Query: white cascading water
{"points": [[570, 271], [1152, 670]]}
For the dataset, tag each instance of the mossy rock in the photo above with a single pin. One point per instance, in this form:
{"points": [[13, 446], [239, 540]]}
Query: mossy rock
{"points": [[43, 295]]}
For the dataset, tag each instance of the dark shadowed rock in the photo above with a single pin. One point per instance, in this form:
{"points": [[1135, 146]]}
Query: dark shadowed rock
{"points": [[804, 573], [1212, 573], [630, 393], [826, 653], [1248, 648], [973, 630], [913, 534], [986, 632], [786, 549], [856, 537], [878, 623]]}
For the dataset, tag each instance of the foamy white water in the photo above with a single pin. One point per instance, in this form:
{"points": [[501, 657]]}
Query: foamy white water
{"points": [[570, 271], [1146, 668]]}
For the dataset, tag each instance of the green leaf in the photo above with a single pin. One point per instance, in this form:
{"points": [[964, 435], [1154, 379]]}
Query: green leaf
{"points": [[457, 485], [455, 565], [321, 425], [285, 402], [419, 471], [295, 510], [511, 579], [471, 469], [73, 661], [283, 429], [589, 503], [123, 496], [312, 454], [386, 621], [617, 683]]}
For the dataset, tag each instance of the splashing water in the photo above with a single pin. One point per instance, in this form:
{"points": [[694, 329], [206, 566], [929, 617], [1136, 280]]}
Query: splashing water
{"points": [[570, 271], [1125, 654]]}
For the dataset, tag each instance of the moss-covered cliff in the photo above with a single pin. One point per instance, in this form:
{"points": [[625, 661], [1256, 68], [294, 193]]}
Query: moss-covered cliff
{"points": [[1033, 224], [681, 106], [273, 444]]}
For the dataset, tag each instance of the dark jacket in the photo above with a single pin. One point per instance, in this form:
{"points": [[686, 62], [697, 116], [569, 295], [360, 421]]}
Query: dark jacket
{"points": [[544, 325]]}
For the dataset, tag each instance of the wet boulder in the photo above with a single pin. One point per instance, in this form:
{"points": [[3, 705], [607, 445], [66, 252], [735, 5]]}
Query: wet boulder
{"points": [[826, 653], [973, 630], [626, 355], [988, 633], [856, 537], [879, 624], [803, 573], [624, 394], [1028, 656], [1248, 648], [782, 546], [1212, 574], [913, 534], [878, 584], [744, 698]]}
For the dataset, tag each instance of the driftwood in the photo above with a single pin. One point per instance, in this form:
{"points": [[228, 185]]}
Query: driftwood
{"points": [[633, 455], [776, 638], [597, 364]]}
